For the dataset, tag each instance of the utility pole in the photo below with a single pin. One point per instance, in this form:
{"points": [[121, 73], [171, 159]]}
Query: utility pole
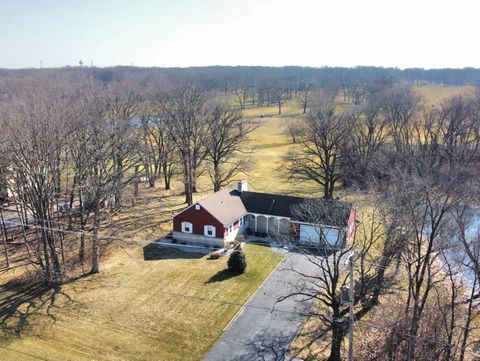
{"points": [[351, 263]]}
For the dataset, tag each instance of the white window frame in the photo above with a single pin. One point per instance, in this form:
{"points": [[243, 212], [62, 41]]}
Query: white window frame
{"points": [[230, 228], [241, 222], [208, 228], [186, 225], [252, 217], [197, 207]]}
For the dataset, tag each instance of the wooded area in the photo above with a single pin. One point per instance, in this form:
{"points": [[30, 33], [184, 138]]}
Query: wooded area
{"points": [[76, 143]]}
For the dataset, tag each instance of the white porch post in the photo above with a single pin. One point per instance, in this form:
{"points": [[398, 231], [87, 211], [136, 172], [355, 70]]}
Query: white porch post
{"points": [[278, 226], [267, 218], [256, 223]]}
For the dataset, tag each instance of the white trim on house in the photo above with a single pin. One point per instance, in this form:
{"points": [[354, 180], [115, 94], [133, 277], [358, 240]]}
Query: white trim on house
{"points": [[198, 239], [254, 216], [209, 231], [318, 225], [187, 227]]}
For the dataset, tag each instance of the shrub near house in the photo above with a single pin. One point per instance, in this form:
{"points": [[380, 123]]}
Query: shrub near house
{"points": [[237, 263]]}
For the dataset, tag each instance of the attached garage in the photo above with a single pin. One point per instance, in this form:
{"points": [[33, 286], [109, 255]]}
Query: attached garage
{"points": [[311, 234]]}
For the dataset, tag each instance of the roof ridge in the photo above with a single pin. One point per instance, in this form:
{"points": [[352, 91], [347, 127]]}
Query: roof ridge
{"points": [[276, 194]]}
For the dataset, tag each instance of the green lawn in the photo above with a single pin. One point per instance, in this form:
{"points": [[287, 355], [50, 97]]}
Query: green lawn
{"points": [[172, 306]]}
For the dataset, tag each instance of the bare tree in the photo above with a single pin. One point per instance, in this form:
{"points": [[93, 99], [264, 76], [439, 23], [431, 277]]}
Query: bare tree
{"points": [[158, 150], [227, 135], [305, 88], [184, 110], [324, 144], [330, 276], [278, 93], [149, 149], [400, 107], [36, 119], [327, 283], [368, 138], [122, 101], [293, 128]]}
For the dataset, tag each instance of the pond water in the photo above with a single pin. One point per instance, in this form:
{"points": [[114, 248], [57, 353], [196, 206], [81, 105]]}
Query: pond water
{"points": [[472, 235]]}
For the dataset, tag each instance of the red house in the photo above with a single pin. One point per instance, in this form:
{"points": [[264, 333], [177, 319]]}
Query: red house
{"points": [[219, 218]]}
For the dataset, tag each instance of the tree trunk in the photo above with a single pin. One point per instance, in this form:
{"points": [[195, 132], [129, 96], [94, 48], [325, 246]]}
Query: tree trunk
{"points": [[328, 189], [135, 185], [216, 177], [151, 182], [62, 235], [95, 240], [166, 175], [81, 253], [149, 175], [4, 237], [119, 187], [188, 194], [412, 340], [466, 328], [337, 337], [194, 180], [47, 268], [57, 268], [71, 200], [24, 234], [305, 103]]}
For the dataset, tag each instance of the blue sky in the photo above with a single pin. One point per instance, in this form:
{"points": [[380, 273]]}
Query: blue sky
{"points": [[245, 32]]}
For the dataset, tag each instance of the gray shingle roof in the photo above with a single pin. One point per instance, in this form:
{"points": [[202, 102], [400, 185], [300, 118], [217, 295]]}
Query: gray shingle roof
{"points": [[336, 213], [228, 205], [224, 205]]}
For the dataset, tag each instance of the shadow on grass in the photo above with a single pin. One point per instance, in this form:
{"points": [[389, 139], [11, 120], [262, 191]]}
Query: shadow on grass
{"points": [[155, 252], [315, 251], [222, 275], [19, 301], [260, 242]]}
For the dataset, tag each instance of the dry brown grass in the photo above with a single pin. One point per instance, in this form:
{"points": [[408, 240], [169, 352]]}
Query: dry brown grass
{"points": [[163, 309]]}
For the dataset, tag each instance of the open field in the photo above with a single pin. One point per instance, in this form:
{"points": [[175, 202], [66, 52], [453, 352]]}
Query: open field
{"points": [[149, 304], [435, 94]]}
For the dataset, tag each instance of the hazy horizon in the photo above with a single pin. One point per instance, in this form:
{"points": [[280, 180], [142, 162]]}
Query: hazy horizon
{"points": [[308, 33], [231, 66]]}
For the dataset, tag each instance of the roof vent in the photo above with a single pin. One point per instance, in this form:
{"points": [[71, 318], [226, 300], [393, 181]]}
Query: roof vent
{"points": [[242, 186]]}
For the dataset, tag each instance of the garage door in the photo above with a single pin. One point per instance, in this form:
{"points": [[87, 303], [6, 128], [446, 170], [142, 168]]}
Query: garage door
{"points": [[311, 234]]}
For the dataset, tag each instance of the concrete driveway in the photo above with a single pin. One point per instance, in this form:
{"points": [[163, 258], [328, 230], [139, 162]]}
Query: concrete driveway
{"points": [[264, 330]]}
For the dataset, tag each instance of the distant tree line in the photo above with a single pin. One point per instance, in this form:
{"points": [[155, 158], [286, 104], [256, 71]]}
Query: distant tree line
{"points": [[257, 85]]}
